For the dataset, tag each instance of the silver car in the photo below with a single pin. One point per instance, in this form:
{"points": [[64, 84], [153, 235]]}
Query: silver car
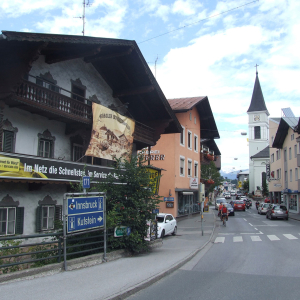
{"points": [[277, 211], [262, 208]]}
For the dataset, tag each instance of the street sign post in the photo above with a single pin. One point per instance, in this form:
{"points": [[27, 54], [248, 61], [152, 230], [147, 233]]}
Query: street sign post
{"points": [[83, 212]]}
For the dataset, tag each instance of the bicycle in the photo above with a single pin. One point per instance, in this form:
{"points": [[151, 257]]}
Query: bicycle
{"points": [[224, 218]]}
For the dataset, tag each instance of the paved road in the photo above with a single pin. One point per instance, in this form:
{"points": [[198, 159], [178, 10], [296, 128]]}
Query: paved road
{"points": [[251, 258]]}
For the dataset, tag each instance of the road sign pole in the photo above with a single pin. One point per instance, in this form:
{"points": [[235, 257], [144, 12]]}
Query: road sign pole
{"points": [[65, 232], [104, 223]]}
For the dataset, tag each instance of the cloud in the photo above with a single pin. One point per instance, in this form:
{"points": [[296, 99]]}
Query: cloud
{"points": [[185, 7]]}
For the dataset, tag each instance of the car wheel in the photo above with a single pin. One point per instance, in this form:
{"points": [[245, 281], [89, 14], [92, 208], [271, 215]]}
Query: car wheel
{"points": [[233, 214], [267, 216], [287, 218], [175, 231], [162, 233], [271, 217]]}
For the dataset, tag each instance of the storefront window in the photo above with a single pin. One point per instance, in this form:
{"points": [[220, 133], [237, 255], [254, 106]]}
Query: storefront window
{"points": [[188, 204], [293, 202]]}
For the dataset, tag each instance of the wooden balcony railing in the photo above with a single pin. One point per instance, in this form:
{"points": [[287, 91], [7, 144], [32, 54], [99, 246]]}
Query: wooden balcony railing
{"points": [[44, 98]]}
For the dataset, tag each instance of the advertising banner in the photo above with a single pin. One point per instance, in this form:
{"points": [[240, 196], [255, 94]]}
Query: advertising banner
{"points": [[38, 168], [112, 134]]}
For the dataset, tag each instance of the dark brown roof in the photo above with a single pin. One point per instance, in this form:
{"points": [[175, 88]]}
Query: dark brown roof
{"points": [[119, 62], [264, 153], [257, 101], [208, 127]]}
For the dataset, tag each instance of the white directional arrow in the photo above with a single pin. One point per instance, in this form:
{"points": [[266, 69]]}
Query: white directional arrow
{"points": [[99, 219]]}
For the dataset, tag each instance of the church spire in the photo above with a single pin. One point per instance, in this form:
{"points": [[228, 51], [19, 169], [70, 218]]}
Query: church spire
{"points": [[257, 101]]}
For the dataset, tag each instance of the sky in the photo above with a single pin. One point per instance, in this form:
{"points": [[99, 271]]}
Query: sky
{"points": [[194, 48]]}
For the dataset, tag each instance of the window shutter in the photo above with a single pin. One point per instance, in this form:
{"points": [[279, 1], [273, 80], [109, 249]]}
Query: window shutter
{"points": [[19, 220], [58, 216], [38, 219], [8, 141]]}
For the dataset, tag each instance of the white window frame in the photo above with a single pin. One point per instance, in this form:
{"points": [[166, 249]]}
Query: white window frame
{"points": [[278, 174], [196, 166], [48, 217], [196, 148], [182, 136], [182, 160], [189, 140], [7, 221], [190, 168]]}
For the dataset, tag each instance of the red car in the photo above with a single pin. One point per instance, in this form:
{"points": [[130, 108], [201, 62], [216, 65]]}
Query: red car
{"points": [[239, 205], [267, 200]]}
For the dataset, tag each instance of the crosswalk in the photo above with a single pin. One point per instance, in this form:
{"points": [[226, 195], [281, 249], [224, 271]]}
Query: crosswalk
{"points": [[254, 238]]}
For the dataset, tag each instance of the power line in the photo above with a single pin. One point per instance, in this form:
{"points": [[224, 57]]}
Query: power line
{"points": [[212, 16]]}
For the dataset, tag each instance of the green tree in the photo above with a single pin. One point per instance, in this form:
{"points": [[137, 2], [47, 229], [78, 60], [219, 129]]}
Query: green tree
{"points": [[130, 202], [246, 185], [211, 172], [265, 188]]}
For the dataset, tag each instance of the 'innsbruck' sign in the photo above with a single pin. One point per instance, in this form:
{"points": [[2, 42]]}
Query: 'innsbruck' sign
{"points": [[84, 213]]}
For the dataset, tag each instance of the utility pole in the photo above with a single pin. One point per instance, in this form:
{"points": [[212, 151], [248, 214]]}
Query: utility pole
{"points": [[84, 4]]}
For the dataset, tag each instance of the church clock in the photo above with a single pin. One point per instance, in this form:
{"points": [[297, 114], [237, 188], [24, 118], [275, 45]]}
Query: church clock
{"points": [[256, 117]]}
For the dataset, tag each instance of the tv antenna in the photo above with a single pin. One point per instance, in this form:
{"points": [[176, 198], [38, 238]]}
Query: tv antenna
{"points": [[155, 66], [86, 3]]}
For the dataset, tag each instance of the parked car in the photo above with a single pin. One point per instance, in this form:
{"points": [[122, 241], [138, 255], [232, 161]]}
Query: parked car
{"points": [[166, 224], [218, 202], [239, 205], [267, 200], [262, 208], [230, 209], [277, 211]]}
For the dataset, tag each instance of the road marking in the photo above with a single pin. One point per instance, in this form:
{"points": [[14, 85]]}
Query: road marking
{"points": [[273, 237], [290, 237], [255, 228], [250, 224], [245, 220], [237, 239], [219, 239], [255, 238]]}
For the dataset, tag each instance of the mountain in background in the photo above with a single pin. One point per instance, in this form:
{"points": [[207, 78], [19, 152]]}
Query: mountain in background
{"points": [[230, 175]]}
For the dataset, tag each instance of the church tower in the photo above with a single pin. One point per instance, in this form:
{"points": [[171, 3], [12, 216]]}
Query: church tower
{"points": [[258, 125]]}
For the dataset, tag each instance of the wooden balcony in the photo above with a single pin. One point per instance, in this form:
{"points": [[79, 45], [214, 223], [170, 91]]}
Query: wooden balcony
{"points": [[76, 114], [54, 105]]}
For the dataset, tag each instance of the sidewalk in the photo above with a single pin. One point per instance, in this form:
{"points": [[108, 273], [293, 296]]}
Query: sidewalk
{"points": [[120, 278], [294, 216]]}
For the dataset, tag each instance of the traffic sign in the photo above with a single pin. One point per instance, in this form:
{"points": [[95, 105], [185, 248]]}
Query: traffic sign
{"points": [[80, 222], [84, 213], [121, 231], [86, 182], [84, 205]]}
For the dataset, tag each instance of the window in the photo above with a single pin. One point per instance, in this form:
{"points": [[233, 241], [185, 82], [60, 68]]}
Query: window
{"points": [[292, 137], [47, 84], [195, 143], [272, 139], [190, 116], [278, 174], [7, 220], [48, 217], [256, 132], [182, 160], [290, 153], [11, 217], [195, 169], [195, 120], [272, 158], [8, 137], [285, 176], [291, 175], [296, 174], [295, 150], [47, 213], [277, 154], [285, 155], [182, 135], [46, 144], [78, 90], [77, 152], [8, 141], [189, 137], [189, 168]]}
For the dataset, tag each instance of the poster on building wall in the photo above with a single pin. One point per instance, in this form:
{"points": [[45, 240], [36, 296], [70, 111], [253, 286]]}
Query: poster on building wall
{"points": [[112, 134]]}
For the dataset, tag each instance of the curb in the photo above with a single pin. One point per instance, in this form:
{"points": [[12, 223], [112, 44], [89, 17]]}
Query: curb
{"points": [[146, 283]]}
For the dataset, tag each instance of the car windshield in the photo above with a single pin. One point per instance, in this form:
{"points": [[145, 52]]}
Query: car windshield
{"points": [[239, 202], [277, 207], [265, 205], [220, 200], [160, 219]]}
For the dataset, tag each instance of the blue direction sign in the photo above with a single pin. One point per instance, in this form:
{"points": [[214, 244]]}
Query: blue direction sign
{"points": [[85, 213], [84, 205], [80, 222], [86, 182]]}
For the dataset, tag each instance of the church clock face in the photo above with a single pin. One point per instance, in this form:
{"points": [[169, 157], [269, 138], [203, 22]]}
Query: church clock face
{"points": [[256, 117]]}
